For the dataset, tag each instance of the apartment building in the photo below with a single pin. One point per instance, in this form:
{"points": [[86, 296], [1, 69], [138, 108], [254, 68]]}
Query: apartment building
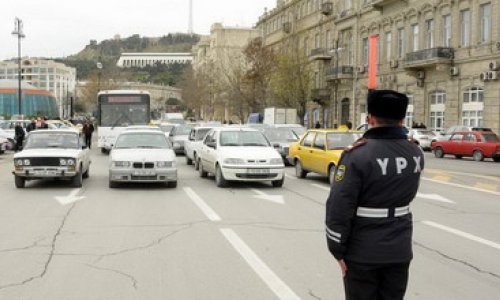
{"points": [[44, 74], [444, 54]]}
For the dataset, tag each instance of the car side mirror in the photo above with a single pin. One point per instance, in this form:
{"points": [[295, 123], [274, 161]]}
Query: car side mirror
{"points": [[212, 145]]}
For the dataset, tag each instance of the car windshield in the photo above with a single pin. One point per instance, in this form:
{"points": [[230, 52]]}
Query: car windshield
{"points": [[52, 140], [201, 133], [182, 130], [142, 140], [166, 128], [299, 131], [280, 134], [490, 137], [341, 140], [424, 132], [243, 138]]}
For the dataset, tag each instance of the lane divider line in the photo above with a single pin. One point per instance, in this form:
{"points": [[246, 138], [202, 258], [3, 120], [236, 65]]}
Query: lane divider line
{"points": [[319, 186], [202, 205], [463, 234], [278, 287], [461, 186]]}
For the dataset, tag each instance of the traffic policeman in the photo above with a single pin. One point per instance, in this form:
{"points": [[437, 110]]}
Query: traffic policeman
{"points": [[368, 218]]}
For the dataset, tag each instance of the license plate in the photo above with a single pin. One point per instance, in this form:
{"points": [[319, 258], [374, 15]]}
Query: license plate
{"points": [[144, 173], [258, 171], [45, 173]]}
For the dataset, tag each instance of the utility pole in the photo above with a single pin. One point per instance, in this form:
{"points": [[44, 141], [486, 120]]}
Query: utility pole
{"points": [[190, 27], [18, 30]]}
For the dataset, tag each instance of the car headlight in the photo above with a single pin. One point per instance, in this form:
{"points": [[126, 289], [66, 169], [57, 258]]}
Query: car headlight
{"points": [[234, 161], [71, 162], [121, 164], [177, 145], [18, 162], [276, 161], [26, 162], [164, 164], [63, 162]]}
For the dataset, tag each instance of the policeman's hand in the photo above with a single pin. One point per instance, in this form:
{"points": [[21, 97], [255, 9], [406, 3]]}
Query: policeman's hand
{"points": [[343, 267]]}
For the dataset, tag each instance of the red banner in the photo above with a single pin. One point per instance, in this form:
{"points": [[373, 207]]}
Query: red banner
{"points": [[372, 68]]}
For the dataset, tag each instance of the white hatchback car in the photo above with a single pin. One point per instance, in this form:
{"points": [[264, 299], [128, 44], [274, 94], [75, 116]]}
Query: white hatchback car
{"points": [[142, 156], [193, 144], [58, 153], [240, 154]]}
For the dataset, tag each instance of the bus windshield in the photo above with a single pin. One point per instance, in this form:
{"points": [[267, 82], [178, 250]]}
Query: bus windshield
{"points": [[119, 110]]}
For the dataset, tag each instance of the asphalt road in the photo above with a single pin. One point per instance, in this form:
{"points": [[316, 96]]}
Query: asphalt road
{"points": [[250, 241]]}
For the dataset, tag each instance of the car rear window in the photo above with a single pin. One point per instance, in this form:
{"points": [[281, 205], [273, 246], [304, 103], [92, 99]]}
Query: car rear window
{"points": [[490, 137]]}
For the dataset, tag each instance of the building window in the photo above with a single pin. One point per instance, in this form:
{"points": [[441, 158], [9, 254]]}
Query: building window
{"points": [[409, 112], [328, 39], [350, 46], [465, 28], [437, 109], [437, 120], [414, 38], [401, 42], [365, 51], [317, 41], [472, 118], [429, 34], [438, 98], [388, 46], [485, 11], [474, 95], [447, 31]]}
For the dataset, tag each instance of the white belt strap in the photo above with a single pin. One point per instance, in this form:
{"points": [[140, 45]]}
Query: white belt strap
{"points": [[367, 212]]}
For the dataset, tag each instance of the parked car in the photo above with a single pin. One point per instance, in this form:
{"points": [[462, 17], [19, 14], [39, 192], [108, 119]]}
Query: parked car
{"points": [[142, 156], [445, 135], [193, 144], [178, 136], [5, 144], [58, 153], [280, 138], [240, 154], [297, 128], [478, 144], [166, 128], [9, 127], [422, 136], [319, 151]]}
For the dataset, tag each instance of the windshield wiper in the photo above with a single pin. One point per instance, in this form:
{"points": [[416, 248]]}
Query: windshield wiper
{"points": [[230, 145], [119, 119], [254, 144], [148, 147]]}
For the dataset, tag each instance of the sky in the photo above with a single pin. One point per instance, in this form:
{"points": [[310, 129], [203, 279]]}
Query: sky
{"points": [[58, 28]]}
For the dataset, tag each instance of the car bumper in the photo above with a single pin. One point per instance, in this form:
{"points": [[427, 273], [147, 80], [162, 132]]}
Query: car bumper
{"points": [[44, 172], [425, 144], [153, 175], [252, 174]]}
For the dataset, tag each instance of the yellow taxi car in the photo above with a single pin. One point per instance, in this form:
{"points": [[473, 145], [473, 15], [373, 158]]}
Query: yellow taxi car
{"points": [[319, 151]]}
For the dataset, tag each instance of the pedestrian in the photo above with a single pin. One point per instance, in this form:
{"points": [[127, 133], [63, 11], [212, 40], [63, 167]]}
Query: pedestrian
{"points": [[19, 136], [349, 125], [88, 130], [368, 218], [31, 126], [317, 125]]}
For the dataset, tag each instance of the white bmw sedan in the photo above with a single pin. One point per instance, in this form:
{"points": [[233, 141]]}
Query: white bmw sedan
{"points": [[240, 154], [142, 156]]}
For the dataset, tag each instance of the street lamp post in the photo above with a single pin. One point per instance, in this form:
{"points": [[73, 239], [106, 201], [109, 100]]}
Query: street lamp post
{"points": [[99, 67], [18, 30], [336, 51]]}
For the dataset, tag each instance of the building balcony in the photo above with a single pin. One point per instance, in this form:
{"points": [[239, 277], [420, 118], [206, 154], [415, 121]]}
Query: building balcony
{"points": [[428, 58], [340, 72], [319, 54], [379, 4]]}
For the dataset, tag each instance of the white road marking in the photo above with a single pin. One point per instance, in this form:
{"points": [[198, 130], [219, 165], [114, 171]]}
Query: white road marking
{"points": [[272, 198], [319, 186], [72, 197], [279, 288], [463, 234], [461, 186], [435, 197], [202, 205]]}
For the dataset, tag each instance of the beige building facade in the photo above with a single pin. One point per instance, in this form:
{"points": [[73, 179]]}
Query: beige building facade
{"points": [[445, 54], [218, 56]]}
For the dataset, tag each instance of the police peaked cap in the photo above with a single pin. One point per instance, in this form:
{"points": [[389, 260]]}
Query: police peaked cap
{"points": [[387, 104]]}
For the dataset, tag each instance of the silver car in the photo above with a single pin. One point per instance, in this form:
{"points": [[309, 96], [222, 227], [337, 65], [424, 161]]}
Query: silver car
{"points": [[142, 156], [423, 137], [178, 136]]}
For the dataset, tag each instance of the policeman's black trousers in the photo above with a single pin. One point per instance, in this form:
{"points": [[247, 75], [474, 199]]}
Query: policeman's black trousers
{"points": [[88, 141], [376, 282]]}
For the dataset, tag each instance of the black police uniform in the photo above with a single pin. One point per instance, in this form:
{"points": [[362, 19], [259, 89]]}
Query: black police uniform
{"points": [[368, 220]]}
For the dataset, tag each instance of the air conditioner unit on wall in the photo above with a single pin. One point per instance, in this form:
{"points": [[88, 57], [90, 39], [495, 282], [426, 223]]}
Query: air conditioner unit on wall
{"points": [[420, 83], [492, 75], [394, 63], [361, 69], [421, 75], [484, 76], [454, 71], [494, 66]]}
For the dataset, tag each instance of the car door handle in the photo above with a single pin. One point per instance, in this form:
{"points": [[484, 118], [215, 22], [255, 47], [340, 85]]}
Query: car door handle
{"points": [[310, 151], [299, 148]]}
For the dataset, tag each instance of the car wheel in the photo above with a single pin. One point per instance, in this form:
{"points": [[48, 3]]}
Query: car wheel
{"points": [[458, 156], [331, 174], [189, 161], [77, 180], [496, 159], [478, 155], [439, 152], [202, 172], [104, 151], [172, 184], [20, 182], [87, 173], [299, 171], [196, 162], [112, 184], [278, 183], [219, 178]]}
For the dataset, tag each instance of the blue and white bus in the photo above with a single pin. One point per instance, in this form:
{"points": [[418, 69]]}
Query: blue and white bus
{"points": [[117, 109]]}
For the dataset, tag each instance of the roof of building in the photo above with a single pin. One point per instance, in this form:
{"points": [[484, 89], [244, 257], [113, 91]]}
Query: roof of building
{"points": [[14, 84]]}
